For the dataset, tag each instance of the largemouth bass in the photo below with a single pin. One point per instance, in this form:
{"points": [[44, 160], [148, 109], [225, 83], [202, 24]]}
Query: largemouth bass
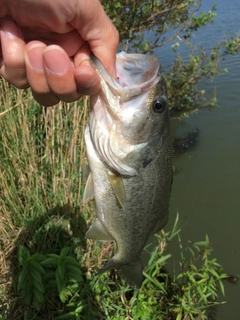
{"points": [[129, 150]]}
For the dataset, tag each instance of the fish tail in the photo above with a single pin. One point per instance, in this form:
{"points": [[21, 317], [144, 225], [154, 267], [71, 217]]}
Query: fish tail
{"points": [[131, 273]]}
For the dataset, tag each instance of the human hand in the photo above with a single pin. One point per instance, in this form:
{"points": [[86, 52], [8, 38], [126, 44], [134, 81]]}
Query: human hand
{"points": [[47, 45]]}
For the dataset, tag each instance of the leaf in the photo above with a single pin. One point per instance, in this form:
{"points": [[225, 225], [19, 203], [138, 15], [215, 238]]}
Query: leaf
{"points": [[23, 276], [79, 309], [38, 295], [154, 281], [200, 244], [153, 255], [53, 255], [74, 272], [37, 257], [50, 262], [63, 294], [179, 316], [49, 276], [162, 259], [27, 292], [69, 315], [37, 266], [61, 283], [23, 255], [176, 228], [50, 288], [65, 251], [61, 270], [37, 280], [72, 261]]}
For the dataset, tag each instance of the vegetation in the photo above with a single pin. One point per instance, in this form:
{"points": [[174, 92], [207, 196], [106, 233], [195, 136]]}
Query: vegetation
{"points": [[48, 270], [170, 21]]}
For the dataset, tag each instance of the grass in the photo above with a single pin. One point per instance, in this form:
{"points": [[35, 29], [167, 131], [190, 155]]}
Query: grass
{"points": [[48, 270]]}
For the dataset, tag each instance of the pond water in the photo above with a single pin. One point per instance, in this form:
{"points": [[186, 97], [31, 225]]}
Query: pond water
{"points": [[206, 189]]}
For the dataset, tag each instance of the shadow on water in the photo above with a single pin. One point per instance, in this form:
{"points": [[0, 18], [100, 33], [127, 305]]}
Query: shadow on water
{"points": [[62, 226], [185, 136]]}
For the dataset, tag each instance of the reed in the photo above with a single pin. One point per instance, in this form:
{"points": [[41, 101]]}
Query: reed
{"points": [[47, 268]]}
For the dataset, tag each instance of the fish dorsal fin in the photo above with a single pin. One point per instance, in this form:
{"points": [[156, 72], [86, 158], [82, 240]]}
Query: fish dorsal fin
{"points": [[118, 188], [89, 190], [98, 232]]}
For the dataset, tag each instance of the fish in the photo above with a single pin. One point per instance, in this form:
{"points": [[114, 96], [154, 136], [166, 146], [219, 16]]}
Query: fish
{"points": [[129, 151]]}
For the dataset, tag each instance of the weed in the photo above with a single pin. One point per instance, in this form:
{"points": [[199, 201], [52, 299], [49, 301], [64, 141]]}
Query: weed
{"points": [[48, 270]]}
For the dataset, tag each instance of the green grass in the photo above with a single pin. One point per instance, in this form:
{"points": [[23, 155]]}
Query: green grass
{"points": [[48, 270]]}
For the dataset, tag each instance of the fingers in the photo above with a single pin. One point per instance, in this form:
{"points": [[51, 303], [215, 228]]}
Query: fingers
{"points": [[36, 74], [59, 72], [48, 70], [104, 45], [96, 28], [52, 75], [88, 81], [12, 60]]}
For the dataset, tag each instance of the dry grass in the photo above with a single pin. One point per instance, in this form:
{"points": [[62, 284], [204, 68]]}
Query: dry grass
{"points": [[42, 156]]}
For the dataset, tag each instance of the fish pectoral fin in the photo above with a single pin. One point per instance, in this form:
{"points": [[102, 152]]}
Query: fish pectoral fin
{"points": [[86, 171], [89, 190], [98, 232], [132, 274], [118, 188]]}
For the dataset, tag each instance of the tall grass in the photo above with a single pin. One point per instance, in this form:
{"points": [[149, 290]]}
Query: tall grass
{"points": [[42, 154], [42, 157], [47, 269]]}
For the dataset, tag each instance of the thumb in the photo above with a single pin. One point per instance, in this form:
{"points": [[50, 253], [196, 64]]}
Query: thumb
{"points": [[96, 28]]}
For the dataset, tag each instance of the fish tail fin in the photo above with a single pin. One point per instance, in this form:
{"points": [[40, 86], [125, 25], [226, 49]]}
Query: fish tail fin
{"points": [[131, 273]]}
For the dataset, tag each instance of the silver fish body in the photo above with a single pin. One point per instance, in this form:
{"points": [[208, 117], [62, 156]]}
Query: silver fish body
{"points": [[129, 150]]}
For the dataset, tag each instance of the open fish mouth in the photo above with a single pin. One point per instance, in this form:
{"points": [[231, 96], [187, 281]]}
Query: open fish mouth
{"points": [[115, 120], [136, 73]]}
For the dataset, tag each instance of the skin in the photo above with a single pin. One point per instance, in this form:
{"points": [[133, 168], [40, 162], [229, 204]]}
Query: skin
{"points": [[47, 45]]}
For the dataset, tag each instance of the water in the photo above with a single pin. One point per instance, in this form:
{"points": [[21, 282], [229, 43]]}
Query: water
{"points": [[206, 189]]}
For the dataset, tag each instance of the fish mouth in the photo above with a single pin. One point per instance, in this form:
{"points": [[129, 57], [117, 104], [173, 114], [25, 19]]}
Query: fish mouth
{"points": [[121, 107], [136, 73]]}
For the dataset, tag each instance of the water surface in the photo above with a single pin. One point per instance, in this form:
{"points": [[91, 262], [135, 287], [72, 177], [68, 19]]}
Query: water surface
{"points": [[206, 189]]}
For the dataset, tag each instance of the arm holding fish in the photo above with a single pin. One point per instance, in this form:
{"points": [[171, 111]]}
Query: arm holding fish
{"points": [[47, 45]]}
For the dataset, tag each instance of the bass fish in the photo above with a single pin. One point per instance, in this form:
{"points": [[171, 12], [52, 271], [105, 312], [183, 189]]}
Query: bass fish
{"points": [[129, 150]]}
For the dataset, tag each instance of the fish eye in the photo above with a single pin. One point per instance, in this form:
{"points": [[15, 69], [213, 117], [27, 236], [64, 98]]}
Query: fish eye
{"points": [[159, 105]]}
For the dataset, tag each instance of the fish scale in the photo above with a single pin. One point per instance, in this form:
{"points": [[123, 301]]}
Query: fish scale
{"points": [[131, 203]]}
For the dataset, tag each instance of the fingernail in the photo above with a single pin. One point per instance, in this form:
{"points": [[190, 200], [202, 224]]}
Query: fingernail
{"points": [[90, 78], [9, 29], [55, 61], [9, 35], [35, 57]]}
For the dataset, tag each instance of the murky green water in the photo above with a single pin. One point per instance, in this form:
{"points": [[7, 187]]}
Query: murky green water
{"points": [[206, 189]]}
